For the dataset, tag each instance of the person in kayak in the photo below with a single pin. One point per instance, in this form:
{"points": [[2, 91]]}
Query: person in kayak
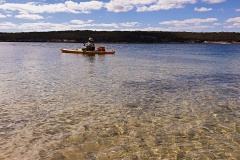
{"points": [[90, 46]]}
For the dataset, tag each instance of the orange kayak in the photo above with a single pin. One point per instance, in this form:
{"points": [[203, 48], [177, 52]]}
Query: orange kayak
{"points": [[80, 51]]}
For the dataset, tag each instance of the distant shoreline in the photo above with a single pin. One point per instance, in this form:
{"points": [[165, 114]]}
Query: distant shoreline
{"points": [[124, 37], [220, 42]]}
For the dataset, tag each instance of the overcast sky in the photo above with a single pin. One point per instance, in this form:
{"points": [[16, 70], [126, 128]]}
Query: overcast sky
{"points": [[108, 15]]}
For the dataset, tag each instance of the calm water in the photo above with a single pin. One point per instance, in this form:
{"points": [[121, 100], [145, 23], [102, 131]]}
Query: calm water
{"points": [[149, 101]]}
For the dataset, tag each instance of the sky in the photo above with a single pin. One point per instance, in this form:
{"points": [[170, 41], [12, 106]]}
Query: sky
{"points": [[120, 15]]}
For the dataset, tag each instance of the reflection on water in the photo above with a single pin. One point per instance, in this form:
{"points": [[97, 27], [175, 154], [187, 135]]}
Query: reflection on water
{"points": [[90, 58], [169, 102]]}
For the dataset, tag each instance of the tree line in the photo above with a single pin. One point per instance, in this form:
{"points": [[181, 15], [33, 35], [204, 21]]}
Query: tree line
{"points": [[121, 36]]}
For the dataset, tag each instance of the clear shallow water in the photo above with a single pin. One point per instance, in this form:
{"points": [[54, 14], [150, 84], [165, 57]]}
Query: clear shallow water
{"points": [[149, 101]]}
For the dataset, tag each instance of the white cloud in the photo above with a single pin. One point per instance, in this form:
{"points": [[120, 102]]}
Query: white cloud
{"points": [[214, 1], [113, 25], [29, 16], [2, 1], [33, 7], [233, 23], [189, 21], [42, 26], [146, 5], [84, 7], [72, 25], [7, 26], [154, 29], [76, 24], [217, 24], [2, 16], [68, 6], [92, 25], [202, 9], [190, 24], [124, 6], [165, 5], [130, 24], [237, 10], [113, 5], [119, 6], [76, 21], [233, 20]]}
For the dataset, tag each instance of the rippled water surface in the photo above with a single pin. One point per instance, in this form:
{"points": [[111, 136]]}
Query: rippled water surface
{"points": [[148, 101]]}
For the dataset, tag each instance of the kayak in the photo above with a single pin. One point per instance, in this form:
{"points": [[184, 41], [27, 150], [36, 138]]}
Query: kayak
{"points": [[80, 51]]}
